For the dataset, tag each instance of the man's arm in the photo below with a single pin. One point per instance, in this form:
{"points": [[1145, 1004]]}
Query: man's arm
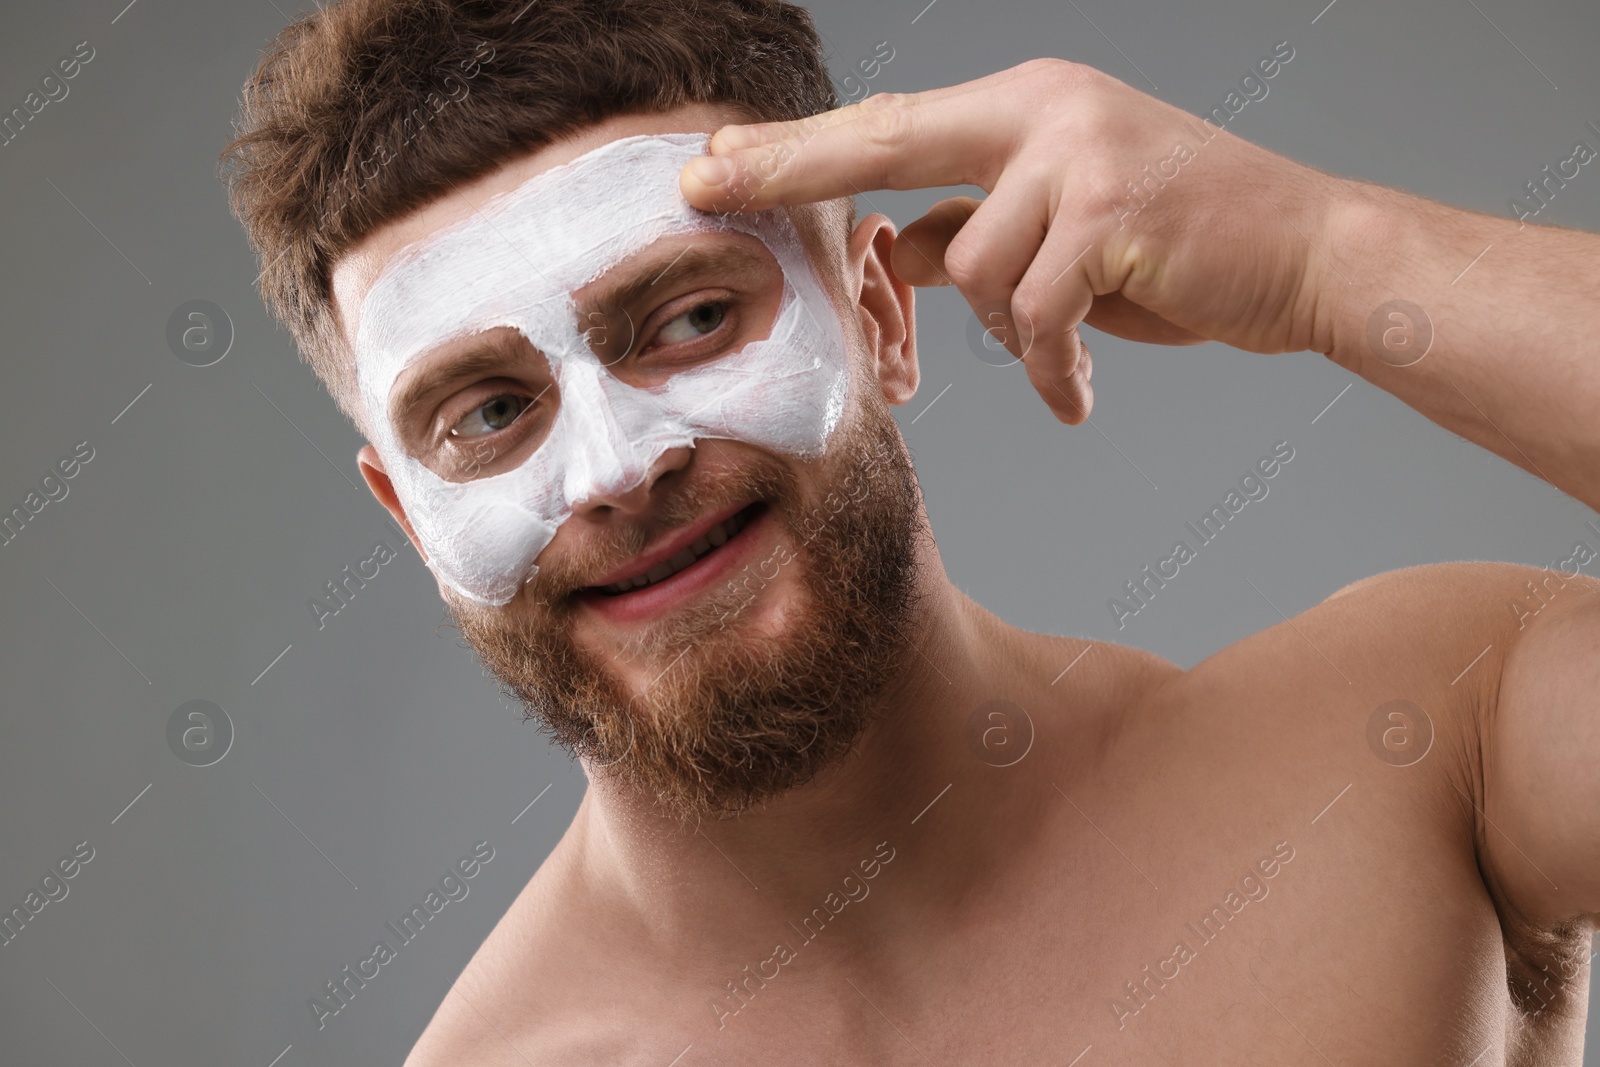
{"points": [[1110, 207], [1487, 326]]}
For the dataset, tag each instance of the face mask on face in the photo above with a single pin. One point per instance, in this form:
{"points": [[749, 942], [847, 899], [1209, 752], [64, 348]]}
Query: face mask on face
{"points": [[516, 262]]}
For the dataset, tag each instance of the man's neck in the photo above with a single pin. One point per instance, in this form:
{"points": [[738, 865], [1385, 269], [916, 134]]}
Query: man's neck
{"points": [[773, 862]]}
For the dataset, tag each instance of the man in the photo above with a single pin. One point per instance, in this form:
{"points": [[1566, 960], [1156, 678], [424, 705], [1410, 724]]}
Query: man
{"points": [[837, 811]]}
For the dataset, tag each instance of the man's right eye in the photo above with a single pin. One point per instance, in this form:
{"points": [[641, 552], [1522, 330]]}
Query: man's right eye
{"points": [[492, 416]]}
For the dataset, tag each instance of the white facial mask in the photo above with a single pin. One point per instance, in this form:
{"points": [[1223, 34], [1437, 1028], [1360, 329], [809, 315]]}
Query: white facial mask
{"points": [[515, 263]]}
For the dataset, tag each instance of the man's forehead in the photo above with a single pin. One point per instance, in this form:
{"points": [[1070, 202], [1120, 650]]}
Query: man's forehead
{"points": [[356, 271]]}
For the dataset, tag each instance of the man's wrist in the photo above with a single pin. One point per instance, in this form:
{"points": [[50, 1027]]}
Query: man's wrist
{"points": [[1370, 259], [1404, 265]]}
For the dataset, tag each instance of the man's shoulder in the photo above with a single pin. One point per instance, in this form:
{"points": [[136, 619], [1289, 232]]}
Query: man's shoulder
{"points": [[1440, 617], [1466, 598], [487, 1017], [516, 1001], [1470, 579], [1436, 635], [464, 1033]]}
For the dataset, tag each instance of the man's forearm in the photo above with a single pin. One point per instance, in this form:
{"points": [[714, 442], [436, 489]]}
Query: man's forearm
{"points": [[1489, 327]]}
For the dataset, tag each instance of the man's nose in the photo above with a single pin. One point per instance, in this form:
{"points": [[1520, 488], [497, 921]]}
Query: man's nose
{"points": [[634, 500]]}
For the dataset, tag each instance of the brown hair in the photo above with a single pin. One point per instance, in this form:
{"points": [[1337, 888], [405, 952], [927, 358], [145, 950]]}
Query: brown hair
{"points": [[449, 90]]}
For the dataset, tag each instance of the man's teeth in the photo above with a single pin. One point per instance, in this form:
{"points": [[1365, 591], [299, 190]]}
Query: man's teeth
{"points": [[713, 538]]}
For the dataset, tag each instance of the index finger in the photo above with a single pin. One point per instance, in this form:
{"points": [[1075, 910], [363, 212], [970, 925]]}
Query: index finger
{"points": [[942, 137]]}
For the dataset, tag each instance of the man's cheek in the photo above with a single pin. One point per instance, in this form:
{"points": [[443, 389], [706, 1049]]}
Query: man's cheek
{"points": [[853, 485]]}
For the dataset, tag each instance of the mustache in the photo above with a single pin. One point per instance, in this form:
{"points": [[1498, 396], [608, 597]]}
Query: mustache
{"points": [[577, 568]]}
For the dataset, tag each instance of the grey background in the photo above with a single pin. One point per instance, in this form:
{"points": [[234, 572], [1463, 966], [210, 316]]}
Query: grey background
{"points": [[374, 752]]}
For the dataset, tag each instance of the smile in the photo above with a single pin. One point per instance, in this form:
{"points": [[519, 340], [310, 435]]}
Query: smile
{"points": [[685, 565], [715, 537]]}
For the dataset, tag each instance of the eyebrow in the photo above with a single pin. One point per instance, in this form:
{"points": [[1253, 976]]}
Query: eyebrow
{"points": [[690, 261]]}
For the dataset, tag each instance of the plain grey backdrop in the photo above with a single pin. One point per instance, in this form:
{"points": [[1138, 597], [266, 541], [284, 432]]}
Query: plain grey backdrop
{"points": [[370, 754]]}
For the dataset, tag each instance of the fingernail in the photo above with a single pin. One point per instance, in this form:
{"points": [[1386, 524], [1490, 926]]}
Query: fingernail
{"points": [[711, 170]]}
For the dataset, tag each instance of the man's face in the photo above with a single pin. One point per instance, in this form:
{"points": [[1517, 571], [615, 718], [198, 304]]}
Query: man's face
{"points": [[717, 632]]}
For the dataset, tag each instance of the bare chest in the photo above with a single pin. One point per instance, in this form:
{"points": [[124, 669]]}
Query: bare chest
{"points": [[1239, 879], [1207, 899], [1282, 950]]}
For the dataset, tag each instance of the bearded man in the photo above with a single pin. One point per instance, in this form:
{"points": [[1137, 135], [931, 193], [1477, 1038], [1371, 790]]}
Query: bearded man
{"points": [[586, 275]]}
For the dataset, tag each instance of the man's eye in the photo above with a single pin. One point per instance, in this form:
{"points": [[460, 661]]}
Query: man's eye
{"points": [[696, 322], [497, 414]]}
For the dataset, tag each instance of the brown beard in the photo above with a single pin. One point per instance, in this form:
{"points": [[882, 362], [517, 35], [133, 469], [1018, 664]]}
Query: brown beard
{"points": [[733, 718]]}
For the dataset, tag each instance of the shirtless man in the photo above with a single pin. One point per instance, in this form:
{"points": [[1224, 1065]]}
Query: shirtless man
{"points": [[842, 814]]}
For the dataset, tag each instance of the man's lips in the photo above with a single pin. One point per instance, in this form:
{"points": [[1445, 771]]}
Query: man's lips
{"points": [[676, 552], [684, 576]]}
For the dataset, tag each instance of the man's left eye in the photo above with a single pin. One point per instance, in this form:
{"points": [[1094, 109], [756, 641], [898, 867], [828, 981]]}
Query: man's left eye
{"points": [[696, 322]]}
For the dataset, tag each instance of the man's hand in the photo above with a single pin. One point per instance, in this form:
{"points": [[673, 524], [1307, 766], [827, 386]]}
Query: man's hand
{"points": [[1105, 206], [1109, 207]]}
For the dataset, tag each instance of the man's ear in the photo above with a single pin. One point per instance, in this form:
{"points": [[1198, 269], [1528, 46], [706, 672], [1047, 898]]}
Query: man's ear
{"points": [[377, 479], [886, 306]]}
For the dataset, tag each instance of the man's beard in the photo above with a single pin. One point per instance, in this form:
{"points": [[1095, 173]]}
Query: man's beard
{"points": [[733, 719]]}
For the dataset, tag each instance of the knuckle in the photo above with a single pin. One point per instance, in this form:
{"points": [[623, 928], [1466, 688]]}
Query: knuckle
{"points": [[890, 124], [1029, 307], [964, 263], [1058, 74], [1095, 116], [879, 101], [953, 211], [1103, 174]]}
